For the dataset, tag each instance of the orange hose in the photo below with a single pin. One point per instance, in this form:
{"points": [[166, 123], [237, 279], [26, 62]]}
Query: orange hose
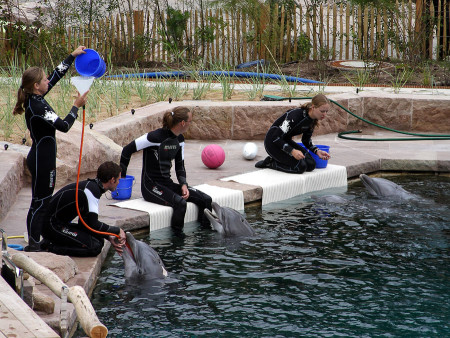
{"points": [[78, 181]]}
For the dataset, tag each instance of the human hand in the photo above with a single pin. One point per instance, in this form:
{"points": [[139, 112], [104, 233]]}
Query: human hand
{"points": [[323, 155], [184, 192], [118, 243], [81, 100], [297, 154], [78, 51]]}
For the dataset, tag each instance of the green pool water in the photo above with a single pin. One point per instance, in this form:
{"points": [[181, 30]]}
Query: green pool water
{"points": [[365, 268]]}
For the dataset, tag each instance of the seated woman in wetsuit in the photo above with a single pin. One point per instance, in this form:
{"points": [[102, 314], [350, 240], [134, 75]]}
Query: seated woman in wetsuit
{"points": [[284, 153], [160, 147]]}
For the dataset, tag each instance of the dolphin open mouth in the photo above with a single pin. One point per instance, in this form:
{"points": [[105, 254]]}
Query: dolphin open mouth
{"points": [[215, 221]]}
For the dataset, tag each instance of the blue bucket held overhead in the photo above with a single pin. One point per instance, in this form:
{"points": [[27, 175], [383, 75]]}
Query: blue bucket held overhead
{"points": [[124, 188], [90, 64]]}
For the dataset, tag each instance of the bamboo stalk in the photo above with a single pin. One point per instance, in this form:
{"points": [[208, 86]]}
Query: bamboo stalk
{"points": [[281, 47], [372, 29], [308, 35], [334, 30], [314, 27], [347, 32], [295, 32], [341, 25], [438, 31]]}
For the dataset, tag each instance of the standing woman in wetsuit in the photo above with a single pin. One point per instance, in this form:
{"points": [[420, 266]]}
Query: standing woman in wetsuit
{"points": [[42, 122], [160, 147], [284, 153]]}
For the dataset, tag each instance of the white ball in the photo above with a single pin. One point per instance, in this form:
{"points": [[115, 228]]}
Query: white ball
{"points": [[250, 150]]}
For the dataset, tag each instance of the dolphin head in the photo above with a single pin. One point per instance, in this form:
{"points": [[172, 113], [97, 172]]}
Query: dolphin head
{"points": [[228, 221], [141, 260], [384, 188]]}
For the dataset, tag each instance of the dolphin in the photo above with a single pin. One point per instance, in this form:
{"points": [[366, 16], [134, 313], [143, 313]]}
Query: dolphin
{"points": [[140, 260], [335, 199], [228, 222], [381, 187]]}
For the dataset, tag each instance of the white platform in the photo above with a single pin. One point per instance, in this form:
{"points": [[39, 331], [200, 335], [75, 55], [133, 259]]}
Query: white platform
{"points": [[160, 215], [278, 186]]}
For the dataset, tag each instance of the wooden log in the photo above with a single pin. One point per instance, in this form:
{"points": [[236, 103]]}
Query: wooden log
{"points": [[86, 313], [77, 296]]}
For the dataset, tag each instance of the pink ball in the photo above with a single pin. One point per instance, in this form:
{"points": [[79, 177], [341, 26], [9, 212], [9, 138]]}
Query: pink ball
{"points": [[213, 156]]}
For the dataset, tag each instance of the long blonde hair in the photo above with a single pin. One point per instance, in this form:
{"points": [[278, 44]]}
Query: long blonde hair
{"points": [[29, 77]]}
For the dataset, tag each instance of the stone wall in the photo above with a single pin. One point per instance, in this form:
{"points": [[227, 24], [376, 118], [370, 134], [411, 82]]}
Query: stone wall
{"points": [[251, 120]]}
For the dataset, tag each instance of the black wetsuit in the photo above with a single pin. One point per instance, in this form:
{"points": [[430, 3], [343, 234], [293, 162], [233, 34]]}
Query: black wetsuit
{"points": [[74, 239], [160, 147], [279, 144], [42, 122]]}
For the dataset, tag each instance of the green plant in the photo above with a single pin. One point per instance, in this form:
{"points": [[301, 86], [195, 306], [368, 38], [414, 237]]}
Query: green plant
{"points": [[227, 84], [359, 78], [400, 77], [177, 90], [256, 88], [427, 76], [160, 90]]}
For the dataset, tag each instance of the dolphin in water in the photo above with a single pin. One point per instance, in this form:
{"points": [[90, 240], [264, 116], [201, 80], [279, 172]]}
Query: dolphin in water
{"points": [[334, 199], [381, 187], [228, 222], [140, 260]]}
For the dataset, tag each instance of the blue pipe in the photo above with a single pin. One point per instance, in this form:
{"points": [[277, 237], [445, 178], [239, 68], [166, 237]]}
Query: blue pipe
{"points": [[164, 75]]}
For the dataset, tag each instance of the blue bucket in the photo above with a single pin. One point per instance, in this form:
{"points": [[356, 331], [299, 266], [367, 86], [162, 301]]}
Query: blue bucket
{"points": [[124, 188], [320, 164], [90, 64]]}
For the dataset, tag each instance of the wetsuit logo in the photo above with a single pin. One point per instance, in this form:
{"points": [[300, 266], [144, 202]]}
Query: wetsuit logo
{"points": [[170, 147], [61, 67], [285, 126], [157, 191], [52, 178], [156, 154], [68, 232], [50, 116]]}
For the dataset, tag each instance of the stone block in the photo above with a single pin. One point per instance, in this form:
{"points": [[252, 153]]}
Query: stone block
{"points": [[431, 116], [388, 111], [252, 123], [11, 179], [211, 123], [97, 148]]}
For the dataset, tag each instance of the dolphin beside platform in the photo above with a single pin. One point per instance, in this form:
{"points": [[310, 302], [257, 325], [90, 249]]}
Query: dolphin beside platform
{"points": [[276, 186]]}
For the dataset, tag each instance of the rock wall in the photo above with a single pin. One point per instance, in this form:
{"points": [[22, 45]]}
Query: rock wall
{"points": [[251, 120]]}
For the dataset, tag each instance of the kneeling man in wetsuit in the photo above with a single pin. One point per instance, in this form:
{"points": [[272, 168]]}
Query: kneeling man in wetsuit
{"points": [[74, 239]]}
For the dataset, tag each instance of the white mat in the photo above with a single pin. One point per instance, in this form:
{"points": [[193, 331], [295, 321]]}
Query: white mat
{"points": [[160, 215], [278, 186]]}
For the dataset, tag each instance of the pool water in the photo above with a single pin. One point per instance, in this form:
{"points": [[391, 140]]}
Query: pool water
{"points": [[368, 267]]}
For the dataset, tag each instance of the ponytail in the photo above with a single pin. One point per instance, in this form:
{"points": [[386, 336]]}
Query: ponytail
{"points": [[29, 77], [21, 97], [172, 118]]}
